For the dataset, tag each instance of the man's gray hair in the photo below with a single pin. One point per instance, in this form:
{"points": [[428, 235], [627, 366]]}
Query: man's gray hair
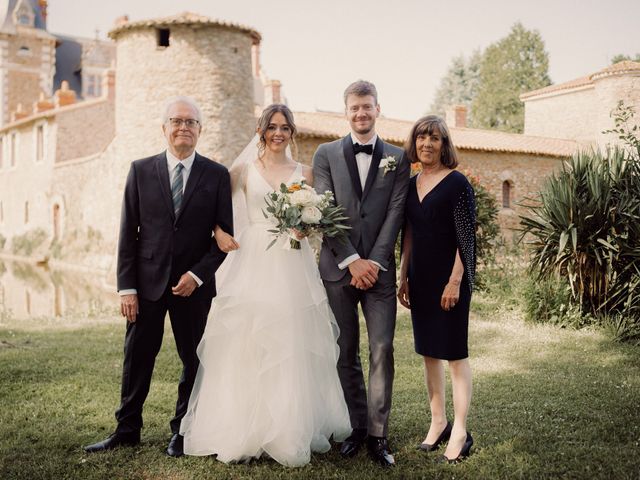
{"points": [[170, 102]]}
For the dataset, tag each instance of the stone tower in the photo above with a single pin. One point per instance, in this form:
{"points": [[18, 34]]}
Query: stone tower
{"points": [[191, 55], [27, 56], [618, 82]]}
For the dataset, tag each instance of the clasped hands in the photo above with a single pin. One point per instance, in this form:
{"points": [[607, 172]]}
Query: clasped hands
{"points": [[364, 273]]}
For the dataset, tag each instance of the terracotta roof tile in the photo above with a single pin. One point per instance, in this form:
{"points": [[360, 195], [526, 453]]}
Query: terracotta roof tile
{"points": [[619, 68], [331, 126], [185, 18]]}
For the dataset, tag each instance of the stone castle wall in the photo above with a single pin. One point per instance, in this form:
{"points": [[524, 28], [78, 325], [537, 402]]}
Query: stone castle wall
{"points": [[210, 64], [583, 113], [569, 115], [25, 186]]}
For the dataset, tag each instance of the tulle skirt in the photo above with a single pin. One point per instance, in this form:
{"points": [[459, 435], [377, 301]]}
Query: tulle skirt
{"points": [[267, 381]]}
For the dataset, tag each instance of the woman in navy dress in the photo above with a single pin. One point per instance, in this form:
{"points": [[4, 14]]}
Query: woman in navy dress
{"points": [[436, 278]]}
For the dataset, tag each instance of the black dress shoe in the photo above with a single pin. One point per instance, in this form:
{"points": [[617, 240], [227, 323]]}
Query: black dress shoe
{"points": [[176, 446], [114, 440], [351, 446], [464, 452], [380, 452], [444, 436]]}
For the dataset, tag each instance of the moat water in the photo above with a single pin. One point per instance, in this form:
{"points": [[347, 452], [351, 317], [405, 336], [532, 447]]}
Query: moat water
{"points": [[30, 291]]}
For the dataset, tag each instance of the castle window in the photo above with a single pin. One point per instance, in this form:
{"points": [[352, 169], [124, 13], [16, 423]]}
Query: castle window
{"points": [[506, 194], [26, 212], [39, 143], [12, 156], [163, 35], [94, 87], [56, 221], [24, 51]]}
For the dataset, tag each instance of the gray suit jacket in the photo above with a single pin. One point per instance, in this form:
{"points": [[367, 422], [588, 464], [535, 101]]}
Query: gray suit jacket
{"points": [[375, 213]]}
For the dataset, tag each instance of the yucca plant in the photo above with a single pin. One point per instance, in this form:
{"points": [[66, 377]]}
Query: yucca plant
{"points": [[585, 227]]}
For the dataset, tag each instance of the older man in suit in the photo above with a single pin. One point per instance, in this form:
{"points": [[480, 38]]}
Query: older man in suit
{"points": [[369, 178], [167, 261]]}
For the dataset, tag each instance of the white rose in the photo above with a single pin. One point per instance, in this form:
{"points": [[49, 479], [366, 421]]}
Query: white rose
{"points": [[311, 215], [302, 197]]}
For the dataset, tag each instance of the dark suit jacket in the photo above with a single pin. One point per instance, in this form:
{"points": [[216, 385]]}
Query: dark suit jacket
{"points": [[155, 247], [375, 213]]}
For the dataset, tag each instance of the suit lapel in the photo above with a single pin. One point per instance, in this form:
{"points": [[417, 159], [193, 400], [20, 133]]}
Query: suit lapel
{"points": [[350, 158], [194, 177], [373, 168], [165, 183]]}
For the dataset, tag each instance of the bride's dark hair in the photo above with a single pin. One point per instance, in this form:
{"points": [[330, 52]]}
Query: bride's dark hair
{"points": [[265, 119]]}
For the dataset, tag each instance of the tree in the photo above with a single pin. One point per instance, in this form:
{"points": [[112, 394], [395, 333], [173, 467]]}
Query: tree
{"points": [[510, 67], [459, 85], [621, 58]]}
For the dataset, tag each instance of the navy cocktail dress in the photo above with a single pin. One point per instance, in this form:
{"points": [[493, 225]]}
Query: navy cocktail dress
{"points": [[440, 224]]}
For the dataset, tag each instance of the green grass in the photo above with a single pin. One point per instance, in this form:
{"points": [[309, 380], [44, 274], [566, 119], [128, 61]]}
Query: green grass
{"points": [[548, 403]]}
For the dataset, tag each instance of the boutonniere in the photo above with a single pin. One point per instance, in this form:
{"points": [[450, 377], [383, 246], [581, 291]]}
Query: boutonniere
{"points": [[389, 163]]}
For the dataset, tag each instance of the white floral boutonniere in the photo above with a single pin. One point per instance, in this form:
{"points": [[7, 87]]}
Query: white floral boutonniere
{"points": [[389, 163]]}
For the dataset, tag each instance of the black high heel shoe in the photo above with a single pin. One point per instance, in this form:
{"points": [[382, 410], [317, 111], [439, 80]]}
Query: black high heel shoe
{"points": [[464, 452], [443, 437]]}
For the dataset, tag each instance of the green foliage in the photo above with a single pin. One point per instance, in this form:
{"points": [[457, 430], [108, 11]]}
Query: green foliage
{"points": [[28, 242], [459, 85], [3, 241], [60, 386], [586, 229], [621, 58], [510, 67], [626, 130], [548, 300]]}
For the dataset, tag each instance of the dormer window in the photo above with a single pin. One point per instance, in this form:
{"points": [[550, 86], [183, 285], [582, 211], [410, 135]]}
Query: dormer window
{"points": [[24, 14]]}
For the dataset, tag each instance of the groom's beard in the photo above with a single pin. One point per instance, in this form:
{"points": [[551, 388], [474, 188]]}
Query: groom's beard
{"points": [[365, 130]]}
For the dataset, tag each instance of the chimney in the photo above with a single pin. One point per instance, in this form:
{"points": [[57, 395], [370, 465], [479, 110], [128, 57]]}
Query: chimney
{"points": [[121, 20], [109, 83], [19, 114], [64, 96], [272, 93], [456, 116], [43, 10], [42, 104]]}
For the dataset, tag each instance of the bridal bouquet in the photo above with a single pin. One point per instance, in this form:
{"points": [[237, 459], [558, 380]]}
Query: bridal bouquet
{"points": [[297, 208]]}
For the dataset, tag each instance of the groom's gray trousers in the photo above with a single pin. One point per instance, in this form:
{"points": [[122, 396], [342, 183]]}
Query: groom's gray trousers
{"points": [[379, 307]]}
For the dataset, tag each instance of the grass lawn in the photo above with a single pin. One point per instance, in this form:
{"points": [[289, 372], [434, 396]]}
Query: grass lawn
{"points": [[548, 403]]}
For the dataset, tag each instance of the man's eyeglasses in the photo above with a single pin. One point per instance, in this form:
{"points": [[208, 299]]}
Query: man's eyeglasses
{"points": [[188, 122]]}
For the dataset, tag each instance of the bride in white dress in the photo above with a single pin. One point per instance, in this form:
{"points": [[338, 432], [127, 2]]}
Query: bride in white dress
{"points": [[267, 381]]}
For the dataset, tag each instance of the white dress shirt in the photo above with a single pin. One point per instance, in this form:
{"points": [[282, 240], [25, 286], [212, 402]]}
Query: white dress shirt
{"points": [[172, 161], [363, 161]]}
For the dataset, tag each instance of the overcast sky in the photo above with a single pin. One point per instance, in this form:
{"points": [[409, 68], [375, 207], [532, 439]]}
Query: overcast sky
{"points": [[316, 48]]}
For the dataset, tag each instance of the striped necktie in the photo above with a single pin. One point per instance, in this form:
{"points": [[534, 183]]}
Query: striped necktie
{"points": [[176, 188]]}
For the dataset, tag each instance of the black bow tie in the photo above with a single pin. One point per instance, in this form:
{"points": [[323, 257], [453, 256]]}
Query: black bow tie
{"points": [[357, 148]]}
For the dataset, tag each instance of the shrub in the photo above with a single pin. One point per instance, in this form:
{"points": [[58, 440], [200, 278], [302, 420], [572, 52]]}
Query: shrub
{"points": [[3, 241], [548, 300], [585, 229], [27, 243]]}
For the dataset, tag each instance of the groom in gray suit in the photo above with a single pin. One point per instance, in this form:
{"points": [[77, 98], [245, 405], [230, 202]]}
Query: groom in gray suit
{"points": [[370, 179]]}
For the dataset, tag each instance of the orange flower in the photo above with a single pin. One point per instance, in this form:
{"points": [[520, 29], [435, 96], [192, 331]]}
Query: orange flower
{"points": [[294, 188]]}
